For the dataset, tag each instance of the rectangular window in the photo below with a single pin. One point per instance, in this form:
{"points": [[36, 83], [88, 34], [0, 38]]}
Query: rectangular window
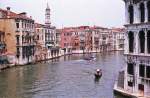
{"points": [[130, 83], [18, 52], [25, 25], [17, 39], [130, 68], [23, 52], [141, 87], [22, 39], [76, 44], [142, 70], [17, 25], [147, 71]]}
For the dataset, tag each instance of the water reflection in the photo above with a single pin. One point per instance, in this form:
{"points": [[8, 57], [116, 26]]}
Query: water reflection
{"points": [[96, 80], [67, 77]]}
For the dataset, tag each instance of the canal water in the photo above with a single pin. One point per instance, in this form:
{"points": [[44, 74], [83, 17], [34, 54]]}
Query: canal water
{"points": [[66, 77]]}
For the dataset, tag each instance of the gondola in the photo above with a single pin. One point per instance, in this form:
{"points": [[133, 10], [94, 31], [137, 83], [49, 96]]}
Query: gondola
{"points": [[98, 74]]}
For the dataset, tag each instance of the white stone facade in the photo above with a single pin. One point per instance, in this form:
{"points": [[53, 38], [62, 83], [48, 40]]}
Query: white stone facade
{"points": [[118, 39], [105, 39], [25, 41], [137, 48], [50, 42], [51, 39]]}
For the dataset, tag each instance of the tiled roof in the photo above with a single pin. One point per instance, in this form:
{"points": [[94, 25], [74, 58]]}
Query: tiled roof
{"points": [[10, 14], [119, 30], [88, 28]]}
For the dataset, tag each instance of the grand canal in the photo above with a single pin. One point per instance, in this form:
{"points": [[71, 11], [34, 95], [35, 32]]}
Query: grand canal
{"points": [[66, 77]]}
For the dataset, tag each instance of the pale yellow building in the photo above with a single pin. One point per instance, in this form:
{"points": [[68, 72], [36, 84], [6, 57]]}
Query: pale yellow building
{"points": [[19, 36]]}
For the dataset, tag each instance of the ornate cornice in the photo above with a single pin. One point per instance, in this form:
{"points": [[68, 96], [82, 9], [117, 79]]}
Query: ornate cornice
{"points": [[134, 1]]}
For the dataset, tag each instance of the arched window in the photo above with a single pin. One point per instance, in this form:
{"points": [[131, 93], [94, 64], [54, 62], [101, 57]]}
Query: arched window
{"points": [[131, 14], [142, 41], [131, 41], [142, 12], [148, 41], [148, 10]]}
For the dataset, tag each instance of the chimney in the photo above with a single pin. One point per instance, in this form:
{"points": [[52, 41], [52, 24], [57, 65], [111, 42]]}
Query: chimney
{"points": [[8, 12], [8, 8]]}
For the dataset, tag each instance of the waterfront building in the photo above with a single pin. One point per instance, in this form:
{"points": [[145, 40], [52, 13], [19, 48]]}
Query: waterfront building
{"points": [[136, 77], [118, 38], [47, 39], [19, 36], [58, 38], [87, 32], [46, 43], [85, 39], [50, 42], [41, 50], [102, 39], [76, 39], [95, 38], [66, 40], [51, 39], [105, 40], [76, 42]]}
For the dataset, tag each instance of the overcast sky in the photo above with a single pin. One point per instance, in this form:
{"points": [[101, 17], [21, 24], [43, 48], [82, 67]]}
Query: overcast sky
{"points": [[108, 13]]}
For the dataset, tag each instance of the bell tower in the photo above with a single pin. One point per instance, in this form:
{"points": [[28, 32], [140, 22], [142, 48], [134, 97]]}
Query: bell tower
{"points": [[47, 15]]}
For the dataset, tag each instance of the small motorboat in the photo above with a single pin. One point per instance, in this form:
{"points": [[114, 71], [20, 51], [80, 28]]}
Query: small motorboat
{"points": [[90, 58], [98, 74], [87, 58], [93, 58]]}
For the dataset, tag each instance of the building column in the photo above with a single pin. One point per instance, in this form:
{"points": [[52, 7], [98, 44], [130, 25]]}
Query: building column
{"points": [[146, 11], [136, 13], [137, 42], [126, 14], [134, 42], [126, 76], [145, 87], [136, 78], [146, 42], [126, 43]]}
